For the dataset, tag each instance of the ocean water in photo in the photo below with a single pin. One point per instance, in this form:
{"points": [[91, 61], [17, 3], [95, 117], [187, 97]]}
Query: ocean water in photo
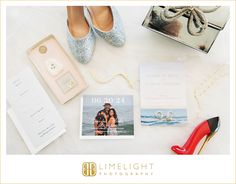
{"points": [[124, 114], [163, 116]]}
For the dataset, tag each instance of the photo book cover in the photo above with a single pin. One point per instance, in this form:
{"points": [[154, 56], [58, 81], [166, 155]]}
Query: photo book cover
{"points": [[107, 116]]}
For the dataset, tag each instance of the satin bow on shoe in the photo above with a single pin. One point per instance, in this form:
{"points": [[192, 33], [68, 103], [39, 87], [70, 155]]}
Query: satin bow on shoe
{"points": [[197, 21]]}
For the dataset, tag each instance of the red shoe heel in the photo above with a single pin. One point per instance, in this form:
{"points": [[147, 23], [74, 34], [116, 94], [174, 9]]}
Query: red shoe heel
{"points": [[206, 128]]}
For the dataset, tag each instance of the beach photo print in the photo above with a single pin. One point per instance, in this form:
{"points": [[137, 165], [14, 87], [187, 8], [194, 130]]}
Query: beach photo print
{"points": [[105, 117]]}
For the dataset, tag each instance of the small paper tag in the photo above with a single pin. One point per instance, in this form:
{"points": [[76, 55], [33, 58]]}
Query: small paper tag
{"points": [[54, 67], [67, 82]]}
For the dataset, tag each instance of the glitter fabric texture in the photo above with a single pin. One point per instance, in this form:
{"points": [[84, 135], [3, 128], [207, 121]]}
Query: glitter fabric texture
{"points": [[116, 36], [82, 48]]}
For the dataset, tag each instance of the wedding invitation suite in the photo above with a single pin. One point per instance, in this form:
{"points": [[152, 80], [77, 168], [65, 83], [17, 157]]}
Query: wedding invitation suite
{"points": [[32, 111], [163, 94]]}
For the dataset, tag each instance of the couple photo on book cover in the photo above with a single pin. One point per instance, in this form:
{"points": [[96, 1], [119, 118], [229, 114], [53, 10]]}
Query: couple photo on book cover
{"points": [[107, 116], [106, 121]]}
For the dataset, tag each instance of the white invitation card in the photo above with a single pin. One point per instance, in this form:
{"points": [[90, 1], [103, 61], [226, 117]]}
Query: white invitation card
{"points": [[32, 111], [163, 94]]}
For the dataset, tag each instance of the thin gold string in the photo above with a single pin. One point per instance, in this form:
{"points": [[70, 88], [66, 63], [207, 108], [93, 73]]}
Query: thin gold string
{"points": [[110, 78]]}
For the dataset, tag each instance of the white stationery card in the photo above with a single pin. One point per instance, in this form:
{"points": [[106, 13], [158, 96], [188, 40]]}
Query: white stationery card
{"points": [[32, 111], [163, 94]]}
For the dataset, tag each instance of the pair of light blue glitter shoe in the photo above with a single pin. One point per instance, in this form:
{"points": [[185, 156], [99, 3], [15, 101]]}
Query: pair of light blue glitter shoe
{"points": [[82, 48]]}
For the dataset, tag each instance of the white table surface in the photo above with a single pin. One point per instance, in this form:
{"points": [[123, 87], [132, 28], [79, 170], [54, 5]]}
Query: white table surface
{"points": [[28, 25]]}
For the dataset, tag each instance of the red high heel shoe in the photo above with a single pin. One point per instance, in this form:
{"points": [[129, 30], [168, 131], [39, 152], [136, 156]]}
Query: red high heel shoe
{"points": [[206, 128]]}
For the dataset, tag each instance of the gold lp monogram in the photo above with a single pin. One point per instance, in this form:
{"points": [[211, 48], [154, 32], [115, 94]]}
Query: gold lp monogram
{"points": [[89, 169]]}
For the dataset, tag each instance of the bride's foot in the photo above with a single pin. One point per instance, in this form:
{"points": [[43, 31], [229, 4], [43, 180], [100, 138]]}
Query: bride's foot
{"points": [[80, 35], [102, 17], [107, 24], [77, 23]]}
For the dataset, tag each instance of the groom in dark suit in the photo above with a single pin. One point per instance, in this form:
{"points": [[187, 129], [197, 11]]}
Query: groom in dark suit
{"points": [[100, 122]]}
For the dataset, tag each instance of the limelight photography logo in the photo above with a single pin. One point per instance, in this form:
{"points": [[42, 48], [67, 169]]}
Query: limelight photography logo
{"points": [[117, 169], [89, 169]]}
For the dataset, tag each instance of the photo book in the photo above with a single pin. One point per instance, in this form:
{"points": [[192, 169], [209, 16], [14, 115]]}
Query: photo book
{"points": [[107, 117], [163, 94]]}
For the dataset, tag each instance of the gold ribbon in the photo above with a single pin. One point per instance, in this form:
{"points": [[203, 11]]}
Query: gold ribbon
{"points": [[197, 22], [110, 78]]}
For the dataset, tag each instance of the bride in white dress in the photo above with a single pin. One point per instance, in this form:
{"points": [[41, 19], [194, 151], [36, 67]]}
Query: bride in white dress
{"points": [[112, 122]]}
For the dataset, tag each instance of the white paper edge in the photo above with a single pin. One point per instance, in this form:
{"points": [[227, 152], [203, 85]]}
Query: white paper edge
{"points": [[26, 139]]}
